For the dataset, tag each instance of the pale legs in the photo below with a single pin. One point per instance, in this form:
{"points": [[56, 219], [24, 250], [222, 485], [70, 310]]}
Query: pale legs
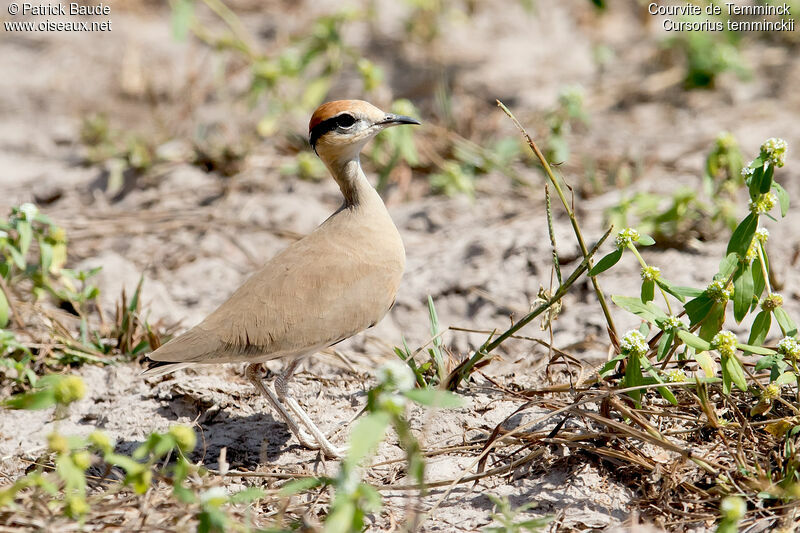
{"points": [[282, 396]]}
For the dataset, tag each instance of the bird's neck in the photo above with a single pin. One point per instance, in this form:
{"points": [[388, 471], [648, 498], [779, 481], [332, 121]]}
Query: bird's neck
{"points": [[353, 183]]}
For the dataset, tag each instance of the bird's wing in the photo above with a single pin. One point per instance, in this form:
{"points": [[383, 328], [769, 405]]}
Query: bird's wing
{"points": [[320, 290]]}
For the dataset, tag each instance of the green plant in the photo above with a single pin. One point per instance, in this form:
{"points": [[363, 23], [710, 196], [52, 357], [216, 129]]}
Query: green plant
{"points": [[732, 510], [687, 216], [506, 516], [567, 114], [433, 371], [706, 53], [353, 499], [33, 252], [742, 279], [64, 483]]}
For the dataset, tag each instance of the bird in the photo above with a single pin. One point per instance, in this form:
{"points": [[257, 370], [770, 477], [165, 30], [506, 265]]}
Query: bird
{"points": [[335, 282]]}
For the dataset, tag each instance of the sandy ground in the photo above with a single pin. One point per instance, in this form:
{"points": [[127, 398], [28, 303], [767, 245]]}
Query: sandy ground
{"points": [[197, 235]]}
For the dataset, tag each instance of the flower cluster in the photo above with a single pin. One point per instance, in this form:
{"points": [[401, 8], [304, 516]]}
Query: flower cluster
{"points": [[675, 375], [633, 342], [789, 346], [672, 323], [774, 151], [771, 391], [747, 171], [725, 342], [28, 211], [763, 203], [718, 291], [772, 302], [762, 234], [396, 375], [626, 237], [651, 273]]}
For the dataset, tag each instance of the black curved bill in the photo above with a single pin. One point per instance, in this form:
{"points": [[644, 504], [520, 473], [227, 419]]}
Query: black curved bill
{"points": [[391, 120]]}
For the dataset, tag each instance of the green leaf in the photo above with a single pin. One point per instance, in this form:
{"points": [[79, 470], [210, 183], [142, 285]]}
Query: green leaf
{"points": [[760, 350], [759, 283], [742, 292], [434, 397], [733, 370], [681, 293], [647, 311], [760, 329], [342, 518], [712, 324], [40, 399], [786, 323], [46, 255], [766, 180], [698, 308], [787, 378], [645, 240], [182, 15], [606, 262], [727, 266], [436, 351], [648, 290], [705, 361], [366, 436], [123, 461], [17, 257], [754, 185], [783, 197], [743, 235], [693, 340], [25, 236], [663, 391], [665, 344], [296, 486], [248, 495], [4, 309], [610, 365], [633, 377]]}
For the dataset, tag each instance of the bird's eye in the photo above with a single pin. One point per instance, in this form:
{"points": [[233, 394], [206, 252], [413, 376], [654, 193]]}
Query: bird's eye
{"points": [[345, 121]]}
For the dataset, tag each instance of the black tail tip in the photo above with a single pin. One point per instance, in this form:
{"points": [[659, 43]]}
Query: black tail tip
{"points": [[152, 365]]}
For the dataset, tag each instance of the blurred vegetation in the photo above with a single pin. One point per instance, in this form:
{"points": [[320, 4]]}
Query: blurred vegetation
{"points": [[33, 254], [689, 214]]}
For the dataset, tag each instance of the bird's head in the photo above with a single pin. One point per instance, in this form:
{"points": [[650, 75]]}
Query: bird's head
{"points": [[339, 130]]}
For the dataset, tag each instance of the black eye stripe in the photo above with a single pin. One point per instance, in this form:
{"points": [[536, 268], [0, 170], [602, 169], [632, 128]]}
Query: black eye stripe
{"points": [[325, 126]]}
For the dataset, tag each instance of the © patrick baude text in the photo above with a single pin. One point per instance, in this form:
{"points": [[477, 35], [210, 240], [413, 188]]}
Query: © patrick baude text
{"points": [[33, 14], [760, 17]]}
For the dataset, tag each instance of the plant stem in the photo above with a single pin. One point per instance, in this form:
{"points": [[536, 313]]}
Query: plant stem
{"points": [[764, 267], [576, 228], [464, 369], [642, 262]]}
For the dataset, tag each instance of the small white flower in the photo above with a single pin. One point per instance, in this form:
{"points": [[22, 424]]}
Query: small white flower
{"points": [[626, 237], [789, 346], [29, 210], [673, 323], [718, 291], [633, 342], [748, 170], [397, 374], [774, 151], [725, 342], [762, 234]]}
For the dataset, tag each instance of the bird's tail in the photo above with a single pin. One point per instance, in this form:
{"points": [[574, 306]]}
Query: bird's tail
{"points": [[159, 368]]}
